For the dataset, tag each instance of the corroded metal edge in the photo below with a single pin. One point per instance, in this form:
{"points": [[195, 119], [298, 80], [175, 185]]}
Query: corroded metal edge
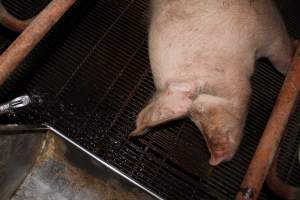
{"points": [[102, 162]]}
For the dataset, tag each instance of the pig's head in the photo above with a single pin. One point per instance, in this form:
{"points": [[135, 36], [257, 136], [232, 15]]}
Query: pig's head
{"points": [[220, 120], [221, 125]]}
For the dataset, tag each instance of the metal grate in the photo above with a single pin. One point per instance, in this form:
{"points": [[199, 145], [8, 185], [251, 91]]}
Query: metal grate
{"points": [[95, 77]]}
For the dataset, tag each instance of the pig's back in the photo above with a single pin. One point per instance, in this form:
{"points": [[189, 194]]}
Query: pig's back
{"points": [[190, 38]]}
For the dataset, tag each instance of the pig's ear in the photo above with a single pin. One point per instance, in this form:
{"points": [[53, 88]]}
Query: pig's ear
{"points": [[164, 106]]}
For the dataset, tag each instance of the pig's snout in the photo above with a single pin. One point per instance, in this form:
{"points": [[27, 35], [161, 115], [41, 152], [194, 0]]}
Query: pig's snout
{"points": [[221, 151], [220, 124]]}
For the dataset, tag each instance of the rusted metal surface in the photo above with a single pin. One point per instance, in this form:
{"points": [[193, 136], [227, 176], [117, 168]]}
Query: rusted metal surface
{"points": [[39, 166], [16, 129], [62, 172], [54, 168], [17, 156], [30, 37], [281, 189], [11, 22], [273, 133]]}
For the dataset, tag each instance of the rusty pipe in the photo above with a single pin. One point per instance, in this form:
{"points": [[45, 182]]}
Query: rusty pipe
{"points": [[269, 142], [281, 189], [11, 22], [31, 36]]}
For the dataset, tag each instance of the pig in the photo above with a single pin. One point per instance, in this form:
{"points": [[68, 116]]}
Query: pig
{"points": [[202, 55]]}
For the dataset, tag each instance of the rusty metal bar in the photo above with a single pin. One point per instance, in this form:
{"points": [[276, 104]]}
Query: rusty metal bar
{"points": [[281, 189], [266, 150], [11, 22], [31, 36]]}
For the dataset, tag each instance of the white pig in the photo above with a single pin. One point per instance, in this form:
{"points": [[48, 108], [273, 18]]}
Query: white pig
{"points": [[202, 55]]}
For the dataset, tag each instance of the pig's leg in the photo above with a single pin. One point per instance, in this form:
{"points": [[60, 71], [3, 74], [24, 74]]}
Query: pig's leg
{"points": [[169, 104], [280, 54]]}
